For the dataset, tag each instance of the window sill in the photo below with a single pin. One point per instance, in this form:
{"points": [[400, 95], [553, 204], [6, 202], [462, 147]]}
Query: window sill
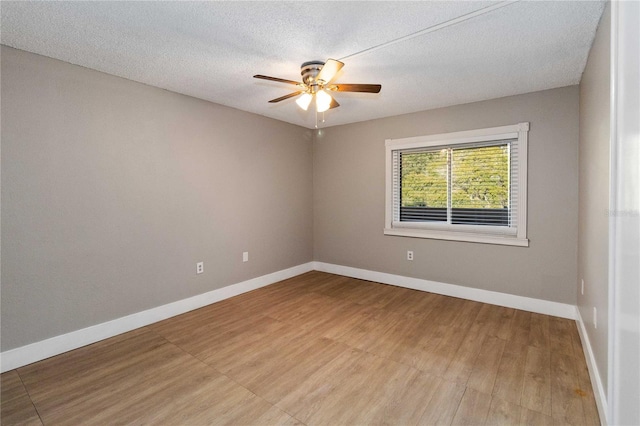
{"points": [[506, 240]]}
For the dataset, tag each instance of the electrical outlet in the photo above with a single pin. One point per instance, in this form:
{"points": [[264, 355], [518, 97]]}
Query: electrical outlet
{"points": [[245, 256], [582, 288], [409, 255], [199, 267], [595, 317]]}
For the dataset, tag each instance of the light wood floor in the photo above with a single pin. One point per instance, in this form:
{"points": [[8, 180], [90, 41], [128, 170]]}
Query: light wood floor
{"points": [[318, 349]]}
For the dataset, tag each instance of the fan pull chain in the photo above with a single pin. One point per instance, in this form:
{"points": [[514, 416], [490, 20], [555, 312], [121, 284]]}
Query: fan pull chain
{"points": [[321, 119]]}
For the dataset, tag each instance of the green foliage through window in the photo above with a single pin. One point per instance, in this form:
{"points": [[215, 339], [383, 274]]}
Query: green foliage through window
{"points": [[479, 177]]}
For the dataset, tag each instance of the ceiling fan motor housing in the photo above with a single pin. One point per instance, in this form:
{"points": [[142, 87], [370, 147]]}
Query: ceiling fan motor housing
{"points": [[309, 71]]}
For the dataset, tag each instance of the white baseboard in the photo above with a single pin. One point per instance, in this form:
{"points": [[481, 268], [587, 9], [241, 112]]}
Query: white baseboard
{"points": [[37, 351], [43, 349], [546, 307], [594, 375]]}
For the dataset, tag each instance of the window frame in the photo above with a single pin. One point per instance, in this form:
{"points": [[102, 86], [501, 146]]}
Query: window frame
{"points": [[457, 232]]}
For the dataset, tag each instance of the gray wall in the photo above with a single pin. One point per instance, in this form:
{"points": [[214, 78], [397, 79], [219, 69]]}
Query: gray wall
{"points": [[349, 195], [113, 190], [593, 236]]}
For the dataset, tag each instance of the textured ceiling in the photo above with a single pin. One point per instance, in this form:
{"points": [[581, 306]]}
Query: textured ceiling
{"points": [[211, 50]]}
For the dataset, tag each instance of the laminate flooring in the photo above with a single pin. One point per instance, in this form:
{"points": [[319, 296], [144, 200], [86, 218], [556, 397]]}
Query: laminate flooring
{"points": [[318, 349]]}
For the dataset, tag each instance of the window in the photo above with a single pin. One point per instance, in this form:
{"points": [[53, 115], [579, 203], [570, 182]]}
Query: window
{"points": [[464, 186]]}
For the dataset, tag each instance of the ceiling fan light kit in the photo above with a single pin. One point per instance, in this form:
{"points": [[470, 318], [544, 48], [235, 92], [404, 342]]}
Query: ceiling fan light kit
{"points": [[304, 100], [315, 85], [323, 101]]}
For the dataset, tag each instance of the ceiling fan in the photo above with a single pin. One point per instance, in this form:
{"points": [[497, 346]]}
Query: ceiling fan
{"points": [[316, 83]]}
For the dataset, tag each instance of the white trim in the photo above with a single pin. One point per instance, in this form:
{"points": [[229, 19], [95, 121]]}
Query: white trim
{"points": [[517, 132], [501, 231], [624, 224], [37, 351], [523, 161], [546, 307], [496, 133], [594, 375], [611, 302], [506, 240]]}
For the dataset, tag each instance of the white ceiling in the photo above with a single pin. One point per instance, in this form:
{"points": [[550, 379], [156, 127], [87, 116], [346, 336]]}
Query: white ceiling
{"points": [[211, 50]]}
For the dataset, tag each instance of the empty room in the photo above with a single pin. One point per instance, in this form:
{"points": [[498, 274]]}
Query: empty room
{"points": [[339, 213]]}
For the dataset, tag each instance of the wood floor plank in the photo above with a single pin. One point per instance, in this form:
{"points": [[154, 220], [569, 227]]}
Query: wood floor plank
{"points": [[442, 407], [322, 314], [352, 385], [343, 318], [133, 388], [357, 291], [16, 407], [504, 413], [405, 404], [446, 310], [333, 285], [576, 342], [473, 409], [295, 307], [375, 402], [505, 322], [510, 377], [560, 335], [485, 369], [370, 328], [413, 303], [442, 346], [219, 401], [462, 362], [378, 296], [417, 346], [535, 418], [520, 328], [108, 368], [536, 391], [275, 374], [399, 335], [213, 340], [539, 331], [468, 314], [585, 391], [355, 389], [225, 311], [137, 393], [497, 320], [318, 349], [566, 394], [101, 355], [310, 395]]}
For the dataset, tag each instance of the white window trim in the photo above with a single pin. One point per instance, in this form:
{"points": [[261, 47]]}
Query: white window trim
{"points": [[476, 234]]}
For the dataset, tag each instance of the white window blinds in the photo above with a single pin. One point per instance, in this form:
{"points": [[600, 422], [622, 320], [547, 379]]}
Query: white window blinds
{"points": [[468, 185], [462, 185]]}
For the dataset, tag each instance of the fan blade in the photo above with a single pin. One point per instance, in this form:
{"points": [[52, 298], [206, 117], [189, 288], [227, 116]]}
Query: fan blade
{"points": [[329, 70], [334, 103], [280, 80], [367, 88], [282, 98]]}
